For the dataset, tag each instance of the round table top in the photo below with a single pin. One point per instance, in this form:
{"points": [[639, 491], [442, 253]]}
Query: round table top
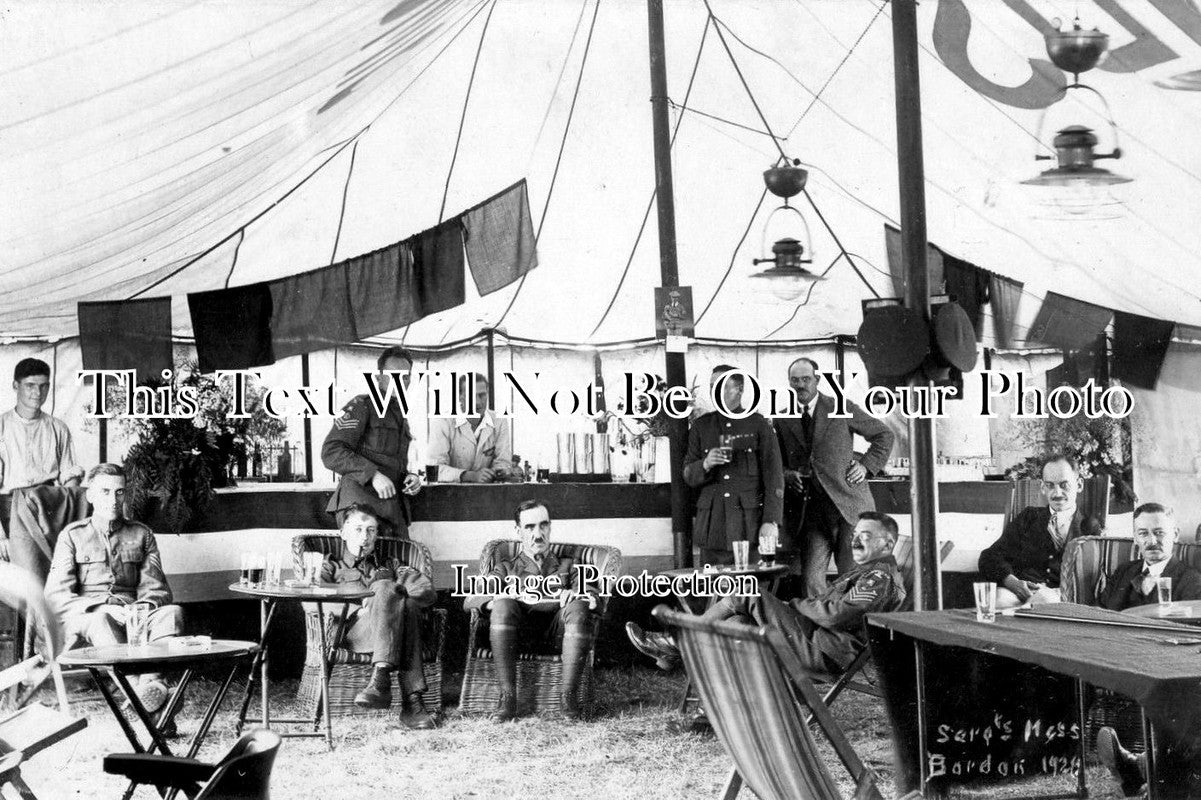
{"points": [[758, 570], [1186, 611], [172, 650], [322, 593]]}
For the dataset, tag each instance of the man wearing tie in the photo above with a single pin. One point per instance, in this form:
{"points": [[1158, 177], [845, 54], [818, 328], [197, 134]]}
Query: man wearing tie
{"points": [[1133, 583], [825, 480], [1024, 562]]}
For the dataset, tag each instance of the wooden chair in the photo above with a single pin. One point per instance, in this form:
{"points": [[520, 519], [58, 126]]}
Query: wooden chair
{"points": [[244, 773], [29, 730], [539, 675], [902, 551], [349, 671], [755, 692], [1093, 500]]}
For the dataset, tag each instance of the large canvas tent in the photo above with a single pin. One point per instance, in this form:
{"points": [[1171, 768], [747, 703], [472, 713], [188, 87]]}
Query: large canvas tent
{"points": [[154, 149]]}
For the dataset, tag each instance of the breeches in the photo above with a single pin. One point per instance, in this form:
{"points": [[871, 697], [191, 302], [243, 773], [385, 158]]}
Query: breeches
{"points": [[388, 625], [541, 630]]}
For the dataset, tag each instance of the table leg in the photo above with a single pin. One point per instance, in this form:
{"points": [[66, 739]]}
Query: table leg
{"points": [[266, 615], [139, 710], [1152, 772], [207, 721], [130, 734], [324, 707], [920, 678], [264, 681], [1082, 722], [172, 708]]}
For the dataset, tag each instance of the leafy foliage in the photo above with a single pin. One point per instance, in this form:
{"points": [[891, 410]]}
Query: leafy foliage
{"points": [[1101, 445]]}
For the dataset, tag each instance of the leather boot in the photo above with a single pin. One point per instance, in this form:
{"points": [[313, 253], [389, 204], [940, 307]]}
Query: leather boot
{"points": [[575, 652], [378, 691], [504, 658], [414, 716], [1122, 763]]}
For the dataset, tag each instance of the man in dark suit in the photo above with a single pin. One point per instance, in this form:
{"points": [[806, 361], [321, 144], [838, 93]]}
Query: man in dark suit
{"points": [[1024, 562], [1133, 583], [735, 463], [825, 481], [369, 452]]}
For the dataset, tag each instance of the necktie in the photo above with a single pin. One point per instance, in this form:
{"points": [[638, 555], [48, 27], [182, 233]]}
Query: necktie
{"points": [[1053, 529], [1147, 583], [807, 427]]}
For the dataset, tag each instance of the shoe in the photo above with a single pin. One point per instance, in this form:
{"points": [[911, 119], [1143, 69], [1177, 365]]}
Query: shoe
{"points": [[378, 691], [659, 646], [1121, 762], [506, 708], [699, 723], [414, 716], [153, 694]]}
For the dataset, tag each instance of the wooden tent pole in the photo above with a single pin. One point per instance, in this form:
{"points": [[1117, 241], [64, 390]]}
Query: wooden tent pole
{"points": [[665, 201], [923, 485]]}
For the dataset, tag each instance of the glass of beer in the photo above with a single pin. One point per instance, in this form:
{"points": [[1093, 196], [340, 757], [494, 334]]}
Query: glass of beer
{"points": [[244, 579], [767, 547], [431, 473], [258, 565], [726, 443]]}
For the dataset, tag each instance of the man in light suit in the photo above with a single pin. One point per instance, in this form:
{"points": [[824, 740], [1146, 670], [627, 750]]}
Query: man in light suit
{"points": [[825, 480]]}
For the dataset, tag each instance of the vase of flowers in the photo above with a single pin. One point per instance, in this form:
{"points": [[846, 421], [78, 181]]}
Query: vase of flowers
{"points": [[175, 462]]}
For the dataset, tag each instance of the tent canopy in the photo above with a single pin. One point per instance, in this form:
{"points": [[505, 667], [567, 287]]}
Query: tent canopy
{"points": [[159, 149]]}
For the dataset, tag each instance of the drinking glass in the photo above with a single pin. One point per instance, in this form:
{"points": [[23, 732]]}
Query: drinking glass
{"points": [[244, 580], [137, 624], [312, 567], [275, 566], [1163, 589], [767, 547], [742, 553], [726, 443], [431, 473], [986, 601], [258, 565]]}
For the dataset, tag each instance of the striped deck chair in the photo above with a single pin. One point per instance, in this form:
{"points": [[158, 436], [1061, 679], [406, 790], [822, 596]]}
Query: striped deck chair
{"points": [[756, 695]]}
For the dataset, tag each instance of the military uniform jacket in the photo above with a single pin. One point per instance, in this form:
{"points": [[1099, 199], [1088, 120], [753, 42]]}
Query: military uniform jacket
{"points": [[409, 582], [522, 565], [735, 498], [360, 444], [89, 567], [839, 613]]}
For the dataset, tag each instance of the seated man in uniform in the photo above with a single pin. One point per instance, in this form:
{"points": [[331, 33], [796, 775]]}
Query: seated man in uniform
{"points": [[565, 619], [1024, 562], [826, 631], [104, 565], [1133, 583], [388, 624], [471, 448]]}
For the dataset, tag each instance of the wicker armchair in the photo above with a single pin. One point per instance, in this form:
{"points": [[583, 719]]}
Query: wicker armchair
{"points": [[349, 671], [539, 675], [1087, 562]]}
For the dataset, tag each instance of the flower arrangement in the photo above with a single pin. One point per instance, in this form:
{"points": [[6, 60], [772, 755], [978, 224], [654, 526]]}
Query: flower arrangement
{"points": [[176, 461], [1101, 445]]}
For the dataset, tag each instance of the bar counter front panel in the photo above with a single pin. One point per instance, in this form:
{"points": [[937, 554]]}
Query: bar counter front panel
{"points": [[456, 520]]}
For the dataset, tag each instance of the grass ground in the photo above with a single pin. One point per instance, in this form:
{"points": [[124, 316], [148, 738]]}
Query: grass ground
{"points": [[633, 749]]}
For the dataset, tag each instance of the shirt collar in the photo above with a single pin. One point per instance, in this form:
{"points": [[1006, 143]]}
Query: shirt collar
{"points": [[488, 420], [1156, 570]]}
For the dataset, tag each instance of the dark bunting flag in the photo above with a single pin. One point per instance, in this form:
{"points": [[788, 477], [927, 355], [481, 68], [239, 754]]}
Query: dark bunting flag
{"points": [[310, 311], [499, 234], [232, 327], [969, 286], [1004, 295], [934, 263], [127, 334], [1068, 323], [1140, 345], [377, 302], [436, 281]]}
